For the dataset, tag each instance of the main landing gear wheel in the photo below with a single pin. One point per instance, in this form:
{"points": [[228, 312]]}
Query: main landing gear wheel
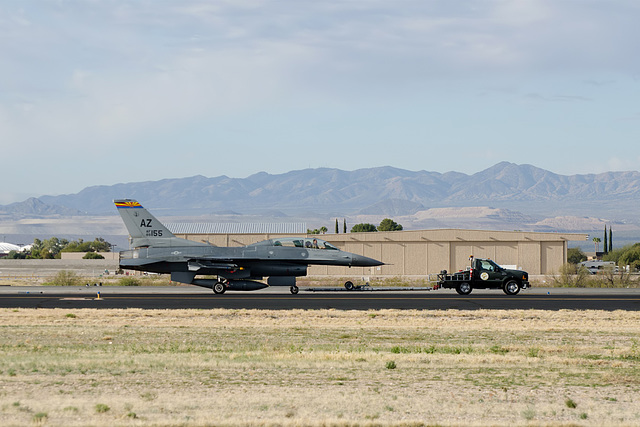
{"points": [[348, 286], [219, 288], [464, 288], [511, 287], [294, 289]]}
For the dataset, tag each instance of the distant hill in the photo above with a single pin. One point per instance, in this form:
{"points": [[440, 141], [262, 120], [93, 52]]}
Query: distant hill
{"points": [[375, 191], [34, 208]]}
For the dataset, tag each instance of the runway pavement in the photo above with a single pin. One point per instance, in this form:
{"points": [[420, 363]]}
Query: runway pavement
{"points": [[191, 297]]}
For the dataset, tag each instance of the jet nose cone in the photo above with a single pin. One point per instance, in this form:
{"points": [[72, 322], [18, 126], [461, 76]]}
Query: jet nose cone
{"points": [[363, 261]]}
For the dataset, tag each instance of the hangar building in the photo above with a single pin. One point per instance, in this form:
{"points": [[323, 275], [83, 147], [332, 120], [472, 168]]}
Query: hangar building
{"points": [[414, 253]]}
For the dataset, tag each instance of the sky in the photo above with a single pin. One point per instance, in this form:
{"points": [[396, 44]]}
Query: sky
{"points": [[105, 92]]}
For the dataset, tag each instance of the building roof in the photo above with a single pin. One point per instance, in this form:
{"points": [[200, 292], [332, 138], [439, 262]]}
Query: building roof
{"points": [[457, 235], [238, 228], [5, 248]]}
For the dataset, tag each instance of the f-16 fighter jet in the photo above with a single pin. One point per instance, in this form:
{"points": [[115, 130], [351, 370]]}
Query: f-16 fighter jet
{"points": [[281, 260]]}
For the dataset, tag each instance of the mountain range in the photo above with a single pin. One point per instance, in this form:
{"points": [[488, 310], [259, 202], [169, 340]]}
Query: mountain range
{"points": [[507, 192]]}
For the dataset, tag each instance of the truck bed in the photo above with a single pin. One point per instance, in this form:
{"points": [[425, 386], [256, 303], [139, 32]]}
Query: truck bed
{"points": [[461, 276]]}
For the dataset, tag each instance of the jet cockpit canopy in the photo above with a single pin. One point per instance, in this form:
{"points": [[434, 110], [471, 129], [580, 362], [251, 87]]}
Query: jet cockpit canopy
{"points": [[299, 242]]}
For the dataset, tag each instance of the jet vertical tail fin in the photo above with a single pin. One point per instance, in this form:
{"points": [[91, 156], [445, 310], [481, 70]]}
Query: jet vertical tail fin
{"points": [[145, 229]]}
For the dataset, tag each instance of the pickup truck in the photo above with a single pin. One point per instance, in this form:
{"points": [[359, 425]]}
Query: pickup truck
{"points": [[484, 274]]}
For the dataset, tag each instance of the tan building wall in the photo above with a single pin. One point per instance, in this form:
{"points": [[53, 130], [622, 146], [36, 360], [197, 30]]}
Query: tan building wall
{"points": [[423, 252]]}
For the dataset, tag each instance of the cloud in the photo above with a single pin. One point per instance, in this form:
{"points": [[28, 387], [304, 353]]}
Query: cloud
{"points": [[115, 76], [616, 163], [556, 98]]}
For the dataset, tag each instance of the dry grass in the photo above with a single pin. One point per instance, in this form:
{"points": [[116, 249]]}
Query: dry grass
{"points": [[239, 367], [547, 281]]}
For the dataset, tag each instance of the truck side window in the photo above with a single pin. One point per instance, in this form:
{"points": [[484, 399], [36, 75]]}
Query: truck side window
{"points": [[487, 266]]}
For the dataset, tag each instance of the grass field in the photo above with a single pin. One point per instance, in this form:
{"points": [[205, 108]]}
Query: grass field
{"points": [[244, 367]]}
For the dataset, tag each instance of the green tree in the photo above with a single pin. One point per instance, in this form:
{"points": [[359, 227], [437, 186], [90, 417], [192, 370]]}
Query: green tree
{"points": [[344, 226], [389, 225], [363, 228], [47, 249], [337, 230], [16, 255], [321, 230], [97, 245], [610, 240], [605, 246], [596, 241], [51, 248], [92, 255], [575, 256], [36, 248], [614, 255], [631, 256]]}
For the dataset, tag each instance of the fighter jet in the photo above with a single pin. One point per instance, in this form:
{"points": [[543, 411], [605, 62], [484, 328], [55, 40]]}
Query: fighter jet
{"points": [[157, 250]]}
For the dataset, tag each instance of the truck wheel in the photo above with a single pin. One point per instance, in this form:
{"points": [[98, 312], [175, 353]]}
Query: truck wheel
{"points": [[464, 288], [511, 287], [349, 286]]}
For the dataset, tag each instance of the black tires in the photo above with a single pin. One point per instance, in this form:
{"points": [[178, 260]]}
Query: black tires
{"points": [[219, 288], [464, 288], [512, 287], [349, 286]]}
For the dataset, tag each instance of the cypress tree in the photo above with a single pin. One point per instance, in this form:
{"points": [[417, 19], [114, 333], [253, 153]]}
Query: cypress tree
{"points": [[605, 246], [344, 224], [337, 231], [610, 240]]}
